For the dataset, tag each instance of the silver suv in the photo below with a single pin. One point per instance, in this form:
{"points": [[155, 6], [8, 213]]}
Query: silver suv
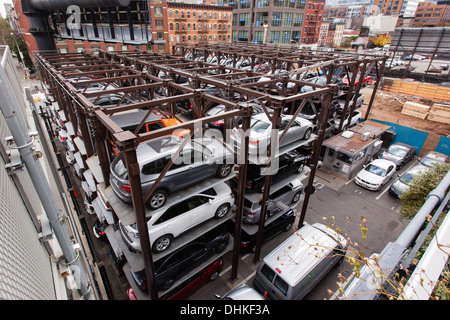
{"points": [[199, 160]]}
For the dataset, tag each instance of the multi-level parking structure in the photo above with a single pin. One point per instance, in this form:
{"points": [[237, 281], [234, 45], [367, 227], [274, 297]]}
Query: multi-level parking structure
{"points": [[156, 83]]}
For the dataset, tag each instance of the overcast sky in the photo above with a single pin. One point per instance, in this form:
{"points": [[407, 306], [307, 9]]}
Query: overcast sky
{"points": [[2, 7]]}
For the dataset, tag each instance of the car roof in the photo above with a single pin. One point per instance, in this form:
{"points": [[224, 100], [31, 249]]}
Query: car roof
{"points": [[382, 163], [133, 118], [158, 147], [401, 144], [296, 256], [416, 169]]}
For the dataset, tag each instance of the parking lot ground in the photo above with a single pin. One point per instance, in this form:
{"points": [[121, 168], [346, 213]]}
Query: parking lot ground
{"points": [[346, 202]]}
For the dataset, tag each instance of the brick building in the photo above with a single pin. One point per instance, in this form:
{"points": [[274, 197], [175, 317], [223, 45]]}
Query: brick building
{"points": [[429, 14], [267, 21], [191, 23], [313, 19]]}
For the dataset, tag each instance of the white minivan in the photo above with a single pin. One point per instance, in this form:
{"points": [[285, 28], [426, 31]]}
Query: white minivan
{"points": [[298, 264]]}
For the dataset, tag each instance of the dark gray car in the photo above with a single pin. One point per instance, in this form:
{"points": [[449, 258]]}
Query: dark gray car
{"points": [[399, 153], [199, 160], [288, 194]]}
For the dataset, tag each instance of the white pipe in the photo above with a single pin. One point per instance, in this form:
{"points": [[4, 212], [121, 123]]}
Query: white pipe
{"points": [[424, 278]]}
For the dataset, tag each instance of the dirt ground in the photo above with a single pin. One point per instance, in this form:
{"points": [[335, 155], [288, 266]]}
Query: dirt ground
{"points": [[388, 106]]}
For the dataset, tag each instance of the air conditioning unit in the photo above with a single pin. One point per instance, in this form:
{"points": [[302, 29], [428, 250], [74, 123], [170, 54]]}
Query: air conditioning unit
{"points": [[365, 136], [348, 134]]}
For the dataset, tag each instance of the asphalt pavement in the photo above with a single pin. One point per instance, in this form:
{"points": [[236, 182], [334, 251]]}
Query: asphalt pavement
{"points": [[347, 203]]}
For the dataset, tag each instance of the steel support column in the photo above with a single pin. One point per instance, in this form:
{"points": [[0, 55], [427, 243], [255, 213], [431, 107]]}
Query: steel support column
{"points": [[316, 153], [128, 149], [240, 192]]}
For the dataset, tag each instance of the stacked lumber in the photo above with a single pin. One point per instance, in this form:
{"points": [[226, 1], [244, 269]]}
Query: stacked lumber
{"points": [[440, 113], [415, 110], [417, 89]]}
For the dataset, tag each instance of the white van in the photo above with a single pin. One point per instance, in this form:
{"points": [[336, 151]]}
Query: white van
{"points": [[296, 266]]}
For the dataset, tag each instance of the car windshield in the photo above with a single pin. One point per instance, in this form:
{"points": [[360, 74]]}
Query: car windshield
{"points": [[406, 178], [397, 151], [376, 170], [259, 126], [215, 110], [431, 160]]}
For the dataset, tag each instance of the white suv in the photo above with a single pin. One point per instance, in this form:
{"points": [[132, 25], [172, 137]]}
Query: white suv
{"points": [[166, 224]]}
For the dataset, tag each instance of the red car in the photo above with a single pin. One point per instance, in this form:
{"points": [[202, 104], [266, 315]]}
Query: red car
{"points": [[346, 81], [189, 286]]}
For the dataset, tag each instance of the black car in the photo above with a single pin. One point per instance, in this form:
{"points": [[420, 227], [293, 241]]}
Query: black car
{"points": [[311, 110], [281, 224], [290, 163], [399, 153], [180, 262]]}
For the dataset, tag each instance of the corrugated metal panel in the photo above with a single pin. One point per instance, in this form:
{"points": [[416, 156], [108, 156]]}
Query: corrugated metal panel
{"points": [[421, 40], [25, 270]]}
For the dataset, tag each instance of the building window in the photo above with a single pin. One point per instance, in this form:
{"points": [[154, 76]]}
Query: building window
{"points": [[298, 19], [170, 14], [274, 37], [262, 18], [158, 12], [262, 3], [276, 19], [245, 4], [259, 36], [287, 19], [244, 19], [159, 23], [243, 35], [285, 37]]}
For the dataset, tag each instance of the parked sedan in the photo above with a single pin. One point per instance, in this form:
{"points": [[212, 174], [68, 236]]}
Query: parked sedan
{"points": [[165, 225], [342, 98], [434, 157], [375, 174], [184, 260], [402, 183], [288, 164], [191, 285], [198, 161], [288, 194], [399, 153], [281, 224], [241, 292], [354, 120], [346, 81], [260, 132]]}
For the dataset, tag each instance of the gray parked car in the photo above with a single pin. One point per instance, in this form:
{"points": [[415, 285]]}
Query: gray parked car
{"points": [[402, 183], [399, 153], [199, 160], [260, 132], [434, 157], [288, 194]]}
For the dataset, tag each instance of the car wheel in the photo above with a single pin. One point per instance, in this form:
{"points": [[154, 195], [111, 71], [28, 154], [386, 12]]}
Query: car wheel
{"points": [[300, 167], [162, 243], [157, 200], [296, 197], [222, 210], [167, 284], [307, 134], [223, 170], [214, 276], [288, 227]]}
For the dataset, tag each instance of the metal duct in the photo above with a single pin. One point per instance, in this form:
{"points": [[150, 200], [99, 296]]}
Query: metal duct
{"points": [[44, 5]]}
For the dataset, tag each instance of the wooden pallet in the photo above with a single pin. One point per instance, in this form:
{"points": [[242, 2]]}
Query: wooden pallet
{"points": [[423, 90]]}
